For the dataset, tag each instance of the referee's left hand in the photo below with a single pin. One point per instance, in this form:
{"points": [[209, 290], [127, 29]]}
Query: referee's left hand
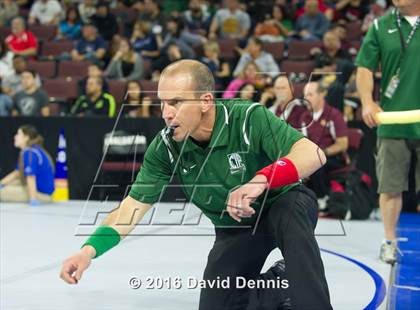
{"points": [[238, 205]]}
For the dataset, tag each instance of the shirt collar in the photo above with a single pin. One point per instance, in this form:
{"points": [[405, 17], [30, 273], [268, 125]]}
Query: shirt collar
{"points": [[219, 135]]}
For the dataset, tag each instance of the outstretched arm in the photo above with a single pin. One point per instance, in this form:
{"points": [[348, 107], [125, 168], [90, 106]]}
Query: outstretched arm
{"points": [[120, 222]]}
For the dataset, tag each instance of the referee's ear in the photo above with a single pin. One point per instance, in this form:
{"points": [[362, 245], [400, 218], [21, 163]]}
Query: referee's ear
{"points": [[206, 101]]}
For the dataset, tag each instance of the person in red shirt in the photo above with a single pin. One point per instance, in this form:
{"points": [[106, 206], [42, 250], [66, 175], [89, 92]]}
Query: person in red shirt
{"points": [[326, 127], [20, 41]]}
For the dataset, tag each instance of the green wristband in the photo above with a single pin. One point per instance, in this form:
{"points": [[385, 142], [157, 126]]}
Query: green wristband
{"points": [[103, 239]]}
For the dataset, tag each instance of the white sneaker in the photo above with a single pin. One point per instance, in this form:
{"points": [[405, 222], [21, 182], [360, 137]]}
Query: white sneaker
{"points": [[388, 253]]}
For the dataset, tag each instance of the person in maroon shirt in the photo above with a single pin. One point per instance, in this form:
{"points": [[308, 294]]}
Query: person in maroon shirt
{"points": [[20, 41], [326, 127], [284, 104]]}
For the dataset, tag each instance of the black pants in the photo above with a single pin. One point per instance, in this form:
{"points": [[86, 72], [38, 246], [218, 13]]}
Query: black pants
{"points": [[289, 225]]}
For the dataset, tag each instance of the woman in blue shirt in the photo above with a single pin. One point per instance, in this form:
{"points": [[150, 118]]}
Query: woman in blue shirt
{"points": [[33, 179], [70, 28]]}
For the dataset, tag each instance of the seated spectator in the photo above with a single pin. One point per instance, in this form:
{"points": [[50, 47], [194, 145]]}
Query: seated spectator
{"points": [[254, 52], [94, 70], [153, 14], [351, 10], [326, 127], [283, 103], [32, 181], [32, 100], [126, 64], [20, 41], [95, 102], [169, 55], [6, 105], [230, 22], [8, 10], [376, 10], [138, 105], [313, 24], [45, 12], [144, 41], [104, 21], [330, 53], [71, 26], [247, 92], [6, 62], [87, 9], [185, 40], [276, 26], [196, 19], [322, 7], [250, 74], [13, 83], [341, 31], [90, 47], [219, 67]]}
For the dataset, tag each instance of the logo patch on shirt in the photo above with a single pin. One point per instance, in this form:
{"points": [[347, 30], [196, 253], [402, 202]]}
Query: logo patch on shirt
{"points": [[235, 163], [392, 30]]}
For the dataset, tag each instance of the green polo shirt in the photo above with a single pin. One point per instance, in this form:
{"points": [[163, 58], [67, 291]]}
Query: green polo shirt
{"points": [[381, 46], [246, 137]]}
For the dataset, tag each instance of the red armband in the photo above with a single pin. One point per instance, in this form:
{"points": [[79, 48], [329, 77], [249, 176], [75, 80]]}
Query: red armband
{"points": [[282, 172]]}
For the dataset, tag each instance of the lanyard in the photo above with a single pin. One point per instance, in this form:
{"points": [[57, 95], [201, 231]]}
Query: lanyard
{"points": [[404, 45]]}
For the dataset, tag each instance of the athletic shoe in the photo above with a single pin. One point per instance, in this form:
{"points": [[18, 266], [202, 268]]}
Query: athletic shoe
{"points": [[388, 253]]}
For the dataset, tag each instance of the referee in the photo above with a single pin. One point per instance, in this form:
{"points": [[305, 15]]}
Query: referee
{"points": [[393, 43], [239, 164]]}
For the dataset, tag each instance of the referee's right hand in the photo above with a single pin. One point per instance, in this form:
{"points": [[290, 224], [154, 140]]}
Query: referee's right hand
{"points": [[369, 110], [74, 266]]}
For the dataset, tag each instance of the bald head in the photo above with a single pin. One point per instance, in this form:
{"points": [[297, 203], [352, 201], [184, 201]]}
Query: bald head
{"points": [[200, 77]]}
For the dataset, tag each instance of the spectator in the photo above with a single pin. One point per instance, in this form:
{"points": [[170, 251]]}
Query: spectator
{"points": [[220, 68], [250, 74], [95, 102], [87, 9], [275, 27], [6, 62], [283, 103], [341, 31], [33, 178], [45, 12], [12, 84], [6, 104], [139, 104], [254, 52], [326, 127], [8, 10], [126, 64], [144, 41], [230, 22], [94, 70], [330, 53], [170, 54], [351, 10], [196, 19], [105, 22], [185, 40], [90, 47], [20, 41], [377, 10], [322, 7], [71, 26], [247, 92], [152, 13], [313, 24], [32, 100]]}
